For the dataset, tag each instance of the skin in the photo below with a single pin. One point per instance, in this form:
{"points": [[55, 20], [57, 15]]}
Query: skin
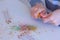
{"points": [[37, 10], [54, 18]]}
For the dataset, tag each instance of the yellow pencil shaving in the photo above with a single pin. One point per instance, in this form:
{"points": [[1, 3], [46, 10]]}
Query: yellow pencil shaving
{"points": [[33, 28]]}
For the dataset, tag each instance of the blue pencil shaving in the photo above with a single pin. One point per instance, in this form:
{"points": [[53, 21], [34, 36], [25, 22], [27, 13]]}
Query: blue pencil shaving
{"points": [[17, 28]]}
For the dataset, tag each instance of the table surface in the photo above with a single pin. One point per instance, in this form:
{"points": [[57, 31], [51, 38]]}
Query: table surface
{"points": [[20, 13]]}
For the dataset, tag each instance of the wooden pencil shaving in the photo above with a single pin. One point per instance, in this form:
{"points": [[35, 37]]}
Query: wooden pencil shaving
{"points": [[7, 16]]}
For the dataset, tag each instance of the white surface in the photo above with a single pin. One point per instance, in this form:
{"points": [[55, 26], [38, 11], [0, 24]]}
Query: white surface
{"points": [[20, 14]]}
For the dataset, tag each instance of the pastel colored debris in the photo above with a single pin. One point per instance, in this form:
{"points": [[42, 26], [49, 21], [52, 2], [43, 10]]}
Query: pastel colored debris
{"points": [[17, 28]]}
